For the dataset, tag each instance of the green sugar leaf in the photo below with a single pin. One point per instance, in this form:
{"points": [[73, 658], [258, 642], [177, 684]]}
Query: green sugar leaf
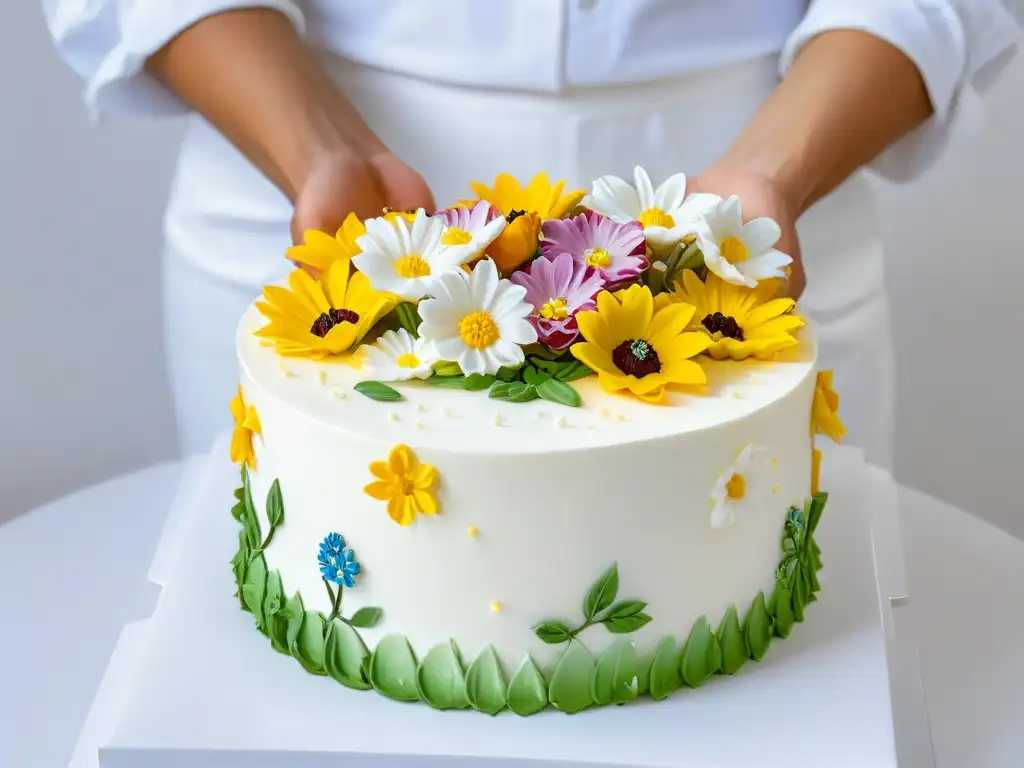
{"points": [[273, 598], [346, 656], [275, 505], [665, 674], [366, 617], [409, 318], [309, 645], [552, 632], [816, 510], [602, 592], [447, 382], [570, 683], [615, 679], [255, 587], [485, 684], [508, 372], [447, 368], [781, 608], [250, 520], [375, 390], [573, 371], [532, 375], [702, 656], [478, 382], [559, 392], [513, 392], [626, 624], [441, 680], [393, 669], [757, 628], [734, 645], [527, 692]]}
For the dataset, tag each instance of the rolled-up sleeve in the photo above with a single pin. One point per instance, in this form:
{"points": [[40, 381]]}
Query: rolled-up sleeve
{"points": [[959, 47], [107, 42]]}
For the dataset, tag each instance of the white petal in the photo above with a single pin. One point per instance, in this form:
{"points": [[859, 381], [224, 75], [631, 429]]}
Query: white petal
{"points": [[718, 264], [439, 319], [509, 300], [483, 282], [695, 209], [473, 361], [615, 198], [719, 514], [671, 193], [450, 347], [761, 234], [517, 331], [644, 188], [766, 266], [505, 353], [730, 218]]}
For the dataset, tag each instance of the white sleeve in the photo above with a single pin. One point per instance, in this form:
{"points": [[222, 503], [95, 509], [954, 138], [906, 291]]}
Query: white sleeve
{"points": [[107, 42], [959, 46]]}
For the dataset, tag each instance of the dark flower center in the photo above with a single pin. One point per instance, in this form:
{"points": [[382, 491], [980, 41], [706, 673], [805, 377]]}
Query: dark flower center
{"points": [[515, 215], [635, 357], [723, 324], [332, 317]]}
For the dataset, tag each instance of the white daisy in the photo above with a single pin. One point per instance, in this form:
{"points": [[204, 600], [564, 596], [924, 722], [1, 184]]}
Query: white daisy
{"points": [[742, 488], [398, 356], [475, 227], [665, 213], [477, 319], [741, 254], [406, 259]]}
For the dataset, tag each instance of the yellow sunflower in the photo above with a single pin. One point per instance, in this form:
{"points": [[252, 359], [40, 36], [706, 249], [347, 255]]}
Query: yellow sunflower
{"points": [[247, 424], [525, 209], [321, 317], [632, 347], [319, 250], [825, 410], [405, 484], [741, 322]]}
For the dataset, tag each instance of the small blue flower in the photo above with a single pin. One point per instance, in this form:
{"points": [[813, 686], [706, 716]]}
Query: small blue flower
{"points": [[337, 563]]}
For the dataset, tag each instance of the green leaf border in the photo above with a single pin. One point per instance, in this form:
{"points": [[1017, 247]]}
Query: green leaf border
{"points": [[578, 681]]}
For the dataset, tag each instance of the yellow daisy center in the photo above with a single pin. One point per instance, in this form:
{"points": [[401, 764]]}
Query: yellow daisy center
{"points": [[412, 266], [406, 486], [554, 309], [455, 236], [478, 330], [655, 217], [736, 488], [598, 258], [734, 250], [408, 360]]}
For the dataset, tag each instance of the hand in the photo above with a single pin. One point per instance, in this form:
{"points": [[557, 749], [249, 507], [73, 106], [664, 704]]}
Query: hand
{"points": [[341, 183], [761, 195]]}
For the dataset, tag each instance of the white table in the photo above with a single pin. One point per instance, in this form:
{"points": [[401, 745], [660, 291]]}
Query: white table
{"points": [[74, 572]]}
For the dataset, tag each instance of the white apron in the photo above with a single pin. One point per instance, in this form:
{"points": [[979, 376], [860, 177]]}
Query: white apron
{"points": [[227, 227]]}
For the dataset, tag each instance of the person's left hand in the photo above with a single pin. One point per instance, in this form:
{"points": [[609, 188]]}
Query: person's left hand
{"points": [[761, 195]]}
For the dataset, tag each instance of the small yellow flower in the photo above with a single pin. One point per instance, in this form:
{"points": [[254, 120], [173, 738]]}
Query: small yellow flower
{"points": [[319, 250], [517, 242], [540, 196], [405, 484], [815, 471], [323, 317], [634, 348], [742, 322], [825, 409], [247, 424]]}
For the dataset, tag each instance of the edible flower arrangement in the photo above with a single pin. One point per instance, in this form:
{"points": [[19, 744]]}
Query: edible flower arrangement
{"points": [[520, 290]]}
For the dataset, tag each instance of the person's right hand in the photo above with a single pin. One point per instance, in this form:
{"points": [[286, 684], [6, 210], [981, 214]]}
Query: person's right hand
{"points": [[340, 183]]}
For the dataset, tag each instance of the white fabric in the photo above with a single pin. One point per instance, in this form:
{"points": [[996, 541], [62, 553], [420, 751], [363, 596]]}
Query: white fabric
{"points": [[554, 45], [227, 227]]}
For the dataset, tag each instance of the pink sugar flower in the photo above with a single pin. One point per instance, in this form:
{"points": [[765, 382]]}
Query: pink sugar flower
{"points": [[558, 288], [617, 251]]}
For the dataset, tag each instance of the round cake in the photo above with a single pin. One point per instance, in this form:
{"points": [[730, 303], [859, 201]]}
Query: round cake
{"points": [[518, 533]]}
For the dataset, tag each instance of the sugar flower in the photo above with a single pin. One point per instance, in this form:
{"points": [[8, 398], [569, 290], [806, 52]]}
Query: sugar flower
{"points": [[406, 259], [337, 562], [740, 253], [665, 213], [319, 250], [478, 320], [247, 424], [405, 484], [825, 409], [525, 208], [636, 349], [324, 316], [476, 227], [616, 251], [741, 488], [742, 322], [557, 288], [398, 356]]}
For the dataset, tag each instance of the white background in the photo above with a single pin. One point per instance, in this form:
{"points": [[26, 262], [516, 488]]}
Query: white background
{"points": [[82, 390]]}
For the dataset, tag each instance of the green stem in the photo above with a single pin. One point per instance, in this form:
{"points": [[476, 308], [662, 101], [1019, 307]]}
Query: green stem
{"points": [[266, 541], [335, 603]]}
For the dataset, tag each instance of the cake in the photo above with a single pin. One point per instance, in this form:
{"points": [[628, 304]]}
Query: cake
{"points": [[538, 450]]}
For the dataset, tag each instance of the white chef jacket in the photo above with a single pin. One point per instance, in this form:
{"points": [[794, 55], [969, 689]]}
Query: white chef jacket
{"points": [[559, 45]]}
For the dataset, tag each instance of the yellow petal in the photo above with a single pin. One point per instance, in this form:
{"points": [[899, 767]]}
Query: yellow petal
{"points": [[594, 329], [351, 229], [682, 347], [381, 490], [684, 372], [252, 421], [237, 406], [565, 205], [380, 469], [424, 476], [668, 323], [594, 357], [289, 303], [399, 509], [767, 311], [636, 313], [693, 286], [538, 194], [335, 283], [400, 459], [425, 502], [240, 445]]}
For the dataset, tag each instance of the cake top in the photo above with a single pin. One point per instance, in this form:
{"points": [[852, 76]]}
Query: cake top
{"points": [[647, 309]]}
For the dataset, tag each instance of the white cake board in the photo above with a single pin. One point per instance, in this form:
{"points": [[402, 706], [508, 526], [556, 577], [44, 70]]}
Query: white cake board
{"points": [[197, 685]]}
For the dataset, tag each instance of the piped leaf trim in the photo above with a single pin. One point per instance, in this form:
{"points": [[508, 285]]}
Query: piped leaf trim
{"points": [[346, 656], [734, 645], [570, 684], [615, 679], [485, 683], [702, 655], [665, 675], [393, 669], [528, 692], [440, 677]]}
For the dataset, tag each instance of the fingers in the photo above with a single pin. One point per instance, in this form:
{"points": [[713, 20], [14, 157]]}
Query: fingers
{"points": [[402, 187]]}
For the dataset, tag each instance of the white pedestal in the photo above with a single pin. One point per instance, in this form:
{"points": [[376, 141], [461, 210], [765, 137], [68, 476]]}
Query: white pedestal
{"points": [[197, 685]]}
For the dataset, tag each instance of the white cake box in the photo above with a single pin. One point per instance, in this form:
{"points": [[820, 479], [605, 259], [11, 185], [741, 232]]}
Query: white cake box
{"points": [[197, 685]]}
